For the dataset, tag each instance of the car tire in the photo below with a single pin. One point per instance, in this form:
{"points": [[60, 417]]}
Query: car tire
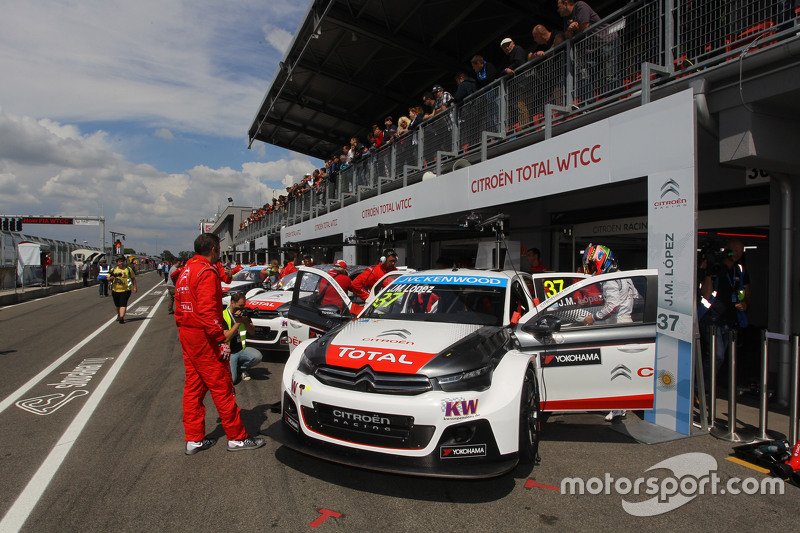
{"points": [[530, 423]]}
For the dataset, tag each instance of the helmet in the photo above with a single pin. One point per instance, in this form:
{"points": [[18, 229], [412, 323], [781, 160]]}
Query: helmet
{"points": [[598, 259]]}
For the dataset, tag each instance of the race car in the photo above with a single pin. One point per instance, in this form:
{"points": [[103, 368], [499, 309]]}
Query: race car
{"points": [[446, 373], [244, 281], [268, 308]]}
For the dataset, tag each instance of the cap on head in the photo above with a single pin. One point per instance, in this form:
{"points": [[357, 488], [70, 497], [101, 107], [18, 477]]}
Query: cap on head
{"points": [[437, 88], [340, 264], [506, 41]]}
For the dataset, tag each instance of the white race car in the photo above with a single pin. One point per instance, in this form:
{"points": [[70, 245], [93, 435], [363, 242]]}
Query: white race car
{"points": [[268, 308], [244, 281], [446, 373]]}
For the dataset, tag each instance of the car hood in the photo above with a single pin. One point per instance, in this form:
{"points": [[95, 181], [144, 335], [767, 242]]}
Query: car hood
{"points": [[269, 300], [409, 347]]}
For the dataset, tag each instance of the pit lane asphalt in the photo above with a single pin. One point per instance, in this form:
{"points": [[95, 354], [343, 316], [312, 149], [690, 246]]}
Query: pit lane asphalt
{"points": [[126, 470]]}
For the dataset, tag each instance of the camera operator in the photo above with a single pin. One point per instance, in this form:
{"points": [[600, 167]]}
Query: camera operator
{"points": [[238, 325], [725, 297]]}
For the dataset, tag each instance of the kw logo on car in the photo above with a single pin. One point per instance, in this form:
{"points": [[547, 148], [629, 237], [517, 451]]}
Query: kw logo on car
{"points": [[466, 450], [574, 358], [459, 408], [381, 360]]}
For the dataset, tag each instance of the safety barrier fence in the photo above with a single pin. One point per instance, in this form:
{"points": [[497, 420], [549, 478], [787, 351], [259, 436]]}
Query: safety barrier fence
{"points": [[729, 432], [600, 66], [33, 276]]}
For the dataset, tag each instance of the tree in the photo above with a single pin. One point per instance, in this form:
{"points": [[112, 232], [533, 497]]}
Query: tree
{"points": [[129, 251], [185, 255], [168, 256]]}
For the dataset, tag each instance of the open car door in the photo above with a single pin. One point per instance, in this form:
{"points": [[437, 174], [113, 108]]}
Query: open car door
{"points": [[318, 301], [603, 362]]}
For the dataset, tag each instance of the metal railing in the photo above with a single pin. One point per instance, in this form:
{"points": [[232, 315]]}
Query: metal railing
{"points": [[598, 67]]}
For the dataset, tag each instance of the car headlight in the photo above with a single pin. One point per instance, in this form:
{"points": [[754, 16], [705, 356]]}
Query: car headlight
{"points": [[283, 310], [306, 366], [478, 379]]}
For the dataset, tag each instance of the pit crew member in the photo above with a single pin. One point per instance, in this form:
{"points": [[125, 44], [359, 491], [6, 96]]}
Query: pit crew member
{"points": [[367, 279], [198, 314]]}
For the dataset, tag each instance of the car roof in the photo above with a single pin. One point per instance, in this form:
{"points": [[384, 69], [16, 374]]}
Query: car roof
{"points": [[500, 274]]}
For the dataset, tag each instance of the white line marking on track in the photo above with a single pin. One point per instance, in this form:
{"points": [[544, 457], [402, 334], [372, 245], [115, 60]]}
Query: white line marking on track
{"points": [[14, 396], [21, 509]]}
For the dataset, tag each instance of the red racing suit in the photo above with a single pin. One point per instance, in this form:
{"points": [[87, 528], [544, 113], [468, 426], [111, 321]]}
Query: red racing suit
{"points": [[330, 296], [198, 313], [364, 281], [288, 269]]}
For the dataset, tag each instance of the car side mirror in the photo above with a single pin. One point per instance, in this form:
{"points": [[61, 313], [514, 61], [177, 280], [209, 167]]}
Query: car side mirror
{"points": [[330, 311], [545, 325]]}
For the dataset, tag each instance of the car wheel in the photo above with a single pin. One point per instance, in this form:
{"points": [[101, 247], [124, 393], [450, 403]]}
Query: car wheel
{"points": [[530, 423]]}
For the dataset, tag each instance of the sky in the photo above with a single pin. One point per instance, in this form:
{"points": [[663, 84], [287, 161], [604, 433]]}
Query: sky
{"points": [[139, 112]]}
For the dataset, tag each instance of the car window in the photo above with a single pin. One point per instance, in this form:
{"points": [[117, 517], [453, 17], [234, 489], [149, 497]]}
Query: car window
{"points": [[545, 287], [244, 275], [321, 292], [423, 298], [611, 302]]}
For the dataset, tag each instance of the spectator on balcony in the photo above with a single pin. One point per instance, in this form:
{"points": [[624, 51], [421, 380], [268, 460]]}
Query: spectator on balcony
{"points": [[389, 130], [545, 40], [403, 124], [416, 115], [597, 57], [427, 102], [515, 56], [377, 135], [485, 72], [577, 16], [466, 86], [443, 98]]}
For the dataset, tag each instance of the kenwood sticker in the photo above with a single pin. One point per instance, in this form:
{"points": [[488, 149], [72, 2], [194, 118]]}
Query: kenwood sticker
{"points": [[574, 358]]}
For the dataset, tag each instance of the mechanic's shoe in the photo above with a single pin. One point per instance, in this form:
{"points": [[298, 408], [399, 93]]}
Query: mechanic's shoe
{"points": [[122, 320], [192, 447], [249, 443], [245, 376], [616, 414]]}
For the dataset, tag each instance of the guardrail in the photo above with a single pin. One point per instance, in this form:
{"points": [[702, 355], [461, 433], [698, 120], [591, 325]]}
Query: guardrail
{"points": [[603, 64]]}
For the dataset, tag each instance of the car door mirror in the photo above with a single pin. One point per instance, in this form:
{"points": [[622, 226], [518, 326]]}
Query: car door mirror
{"points": [[331, 311], [545, 325]]}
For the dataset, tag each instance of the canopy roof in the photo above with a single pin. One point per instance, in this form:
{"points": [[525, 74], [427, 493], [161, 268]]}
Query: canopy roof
{"points": [[353, 62]]}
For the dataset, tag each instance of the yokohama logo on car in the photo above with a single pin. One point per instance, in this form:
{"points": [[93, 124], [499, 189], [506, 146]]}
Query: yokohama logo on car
{"points": [[465, 450]]}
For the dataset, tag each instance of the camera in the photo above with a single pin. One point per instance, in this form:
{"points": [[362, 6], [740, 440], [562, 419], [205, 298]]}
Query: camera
{"points": [[249, 312], [713, 257]]}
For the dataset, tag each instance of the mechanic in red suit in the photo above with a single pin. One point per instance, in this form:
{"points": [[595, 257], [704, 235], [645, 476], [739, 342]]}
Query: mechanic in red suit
{"points": [[289, 268], [198, 313], [367, 279], [339, 275]]}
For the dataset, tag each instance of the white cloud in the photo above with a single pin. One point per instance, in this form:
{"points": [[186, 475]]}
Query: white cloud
{"points": [[198, 66], [148, 203], [279, 38], [170, 66], [164, 133]]}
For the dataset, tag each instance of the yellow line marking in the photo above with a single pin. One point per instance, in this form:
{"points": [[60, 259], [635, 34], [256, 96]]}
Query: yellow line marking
{"points": [[748, 465]]}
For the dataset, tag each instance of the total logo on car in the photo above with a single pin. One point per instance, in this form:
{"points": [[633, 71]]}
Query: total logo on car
{"points": [[447, 373]]}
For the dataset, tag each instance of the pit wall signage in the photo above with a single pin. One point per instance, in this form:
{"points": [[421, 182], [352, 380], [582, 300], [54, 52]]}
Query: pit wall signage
{"points": [[619, 148], [672, 250]]}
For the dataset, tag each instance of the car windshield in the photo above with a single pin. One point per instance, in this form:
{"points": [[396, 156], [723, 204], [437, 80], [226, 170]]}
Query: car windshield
{"points": [[245, 275], [440, 302], [287, 282]]}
